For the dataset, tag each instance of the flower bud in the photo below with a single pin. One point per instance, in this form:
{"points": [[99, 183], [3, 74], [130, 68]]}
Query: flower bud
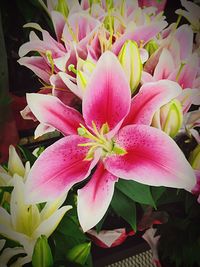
{"points": [[79, 253], [129, 57], [151, 47], [62, 8], [169, 118], [42, 256], [194, 158]]}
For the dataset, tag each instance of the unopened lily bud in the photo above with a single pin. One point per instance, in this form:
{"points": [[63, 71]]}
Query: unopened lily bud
{"points": [[42, 256], [79, 253], [62, 7], [194, 158], [129, 57], [151, 47], [169, 118]]}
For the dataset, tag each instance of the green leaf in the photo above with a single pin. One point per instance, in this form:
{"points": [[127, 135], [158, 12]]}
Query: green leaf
{"points": [[138, 192], [42, 256], [79, 253], [124, 207], [157, 192], [67, 235]]}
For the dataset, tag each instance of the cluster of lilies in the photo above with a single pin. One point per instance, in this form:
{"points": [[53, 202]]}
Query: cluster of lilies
{"points": [[135, 79]]}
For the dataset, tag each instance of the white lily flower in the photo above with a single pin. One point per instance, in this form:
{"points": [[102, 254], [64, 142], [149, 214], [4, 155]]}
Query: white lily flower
{"points": [[192, 13], [15, 166], [26, 223], [2, 243]]}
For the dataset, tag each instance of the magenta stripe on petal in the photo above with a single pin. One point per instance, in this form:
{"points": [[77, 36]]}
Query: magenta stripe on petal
{"points": [[152, 158], [107, 97], [51, 111], [57, 169], [94, 198]]}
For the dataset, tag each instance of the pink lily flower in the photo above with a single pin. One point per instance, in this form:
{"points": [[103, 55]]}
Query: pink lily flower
{"points": [[196, 189], [192, 121], [184, 70], [179, 43], [114, 134], [192, 13], [152, 240], [160, 5]]}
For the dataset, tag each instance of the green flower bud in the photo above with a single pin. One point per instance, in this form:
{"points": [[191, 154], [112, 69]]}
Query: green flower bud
{"points": [[42, 256], [79, 253], [194, 158], [62, 8], [169, 118], [151, 47], [129, 57]]}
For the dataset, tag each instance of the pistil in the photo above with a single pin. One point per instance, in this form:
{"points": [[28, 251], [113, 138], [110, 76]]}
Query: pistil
{"points": [[99, 141]]}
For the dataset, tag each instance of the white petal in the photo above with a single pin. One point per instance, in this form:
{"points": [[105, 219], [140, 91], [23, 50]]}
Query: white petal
{"points": [[8, 253], [2, 243], [14, 163], [49, 225], [51, 207]]}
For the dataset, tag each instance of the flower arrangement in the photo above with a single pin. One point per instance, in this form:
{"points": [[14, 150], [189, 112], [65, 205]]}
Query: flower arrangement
{"points": [[122, 86]]}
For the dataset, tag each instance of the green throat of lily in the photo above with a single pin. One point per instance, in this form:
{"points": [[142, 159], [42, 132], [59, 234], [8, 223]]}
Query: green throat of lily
{"points": [[99, 140]]}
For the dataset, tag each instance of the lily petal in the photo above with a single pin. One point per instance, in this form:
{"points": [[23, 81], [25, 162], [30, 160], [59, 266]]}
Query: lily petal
{"points": [[152, 158], [95, 197], [21, 261], [2, 243], [38, 65], [58, 23], [51, 111], [6, 228], [51, 207], [70, 84], [142, 33], [8, 253], [68, 167], [20, 212], [165, 65], [15, 164], [49, 225], [189, 72], [149, 99], [103, 101], [42, 129], [184, 35]]}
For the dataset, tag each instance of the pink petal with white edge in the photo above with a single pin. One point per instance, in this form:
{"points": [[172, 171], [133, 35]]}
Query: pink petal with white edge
{"points": [[58, 23], [107, 97], [27, 114], [38, 65], [184, 35], [57, 169], [51, 111], [152, 158], [146, 77], [142, 33], [61, 91], [42, 129], [152, 239], [149, 99], [165, 65], [94, 198], [188, 73], [68, 81]]}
